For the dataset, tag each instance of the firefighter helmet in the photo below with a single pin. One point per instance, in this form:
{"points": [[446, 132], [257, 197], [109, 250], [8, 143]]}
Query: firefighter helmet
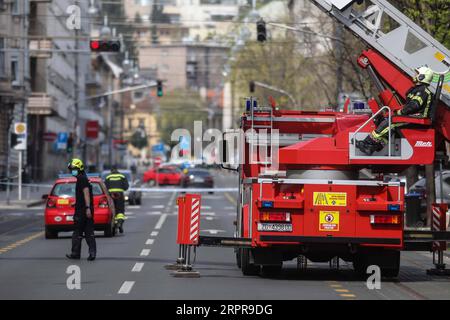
{"points": [[424, 75], [75, 164]]}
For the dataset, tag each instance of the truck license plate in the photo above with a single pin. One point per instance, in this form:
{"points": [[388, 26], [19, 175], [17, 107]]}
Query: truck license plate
{"points": [[277, 227]]}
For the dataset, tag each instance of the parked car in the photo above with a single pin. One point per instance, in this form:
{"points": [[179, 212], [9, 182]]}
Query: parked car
{"points": [[167, 175], [60, 202], [133, 197], [198, 178]]}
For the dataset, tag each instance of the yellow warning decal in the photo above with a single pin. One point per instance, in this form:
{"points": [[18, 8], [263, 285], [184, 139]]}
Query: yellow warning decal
{"points": [[329, 221], [446, 87], [439, 56], [338, 199]]}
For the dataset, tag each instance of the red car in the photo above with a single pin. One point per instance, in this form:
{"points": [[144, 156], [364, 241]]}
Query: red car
{"points": [[59, 208], [167, 175]]}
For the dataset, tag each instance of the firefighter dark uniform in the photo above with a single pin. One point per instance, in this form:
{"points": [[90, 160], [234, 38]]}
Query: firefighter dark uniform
{"points": [[418, 103], [117, 184], [84, 224]]}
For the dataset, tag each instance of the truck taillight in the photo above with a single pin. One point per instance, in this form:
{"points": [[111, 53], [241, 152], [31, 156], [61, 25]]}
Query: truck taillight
{"points": [[103, 203], [384, 219], [51, 203], [276, 216]]}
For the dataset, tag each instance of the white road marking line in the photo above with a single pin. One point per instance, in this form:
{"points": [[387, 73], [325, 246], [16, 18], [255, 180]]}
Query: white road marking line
{"points": [[158, 206], [134, 207], [154, 213], [128, 213], [206, 207], [126, 287], [230, 208], [161, 221], [214, 231], [154, 234], [150, 241], [145, 252], [138, 267], [210, 218], [208, 213]]}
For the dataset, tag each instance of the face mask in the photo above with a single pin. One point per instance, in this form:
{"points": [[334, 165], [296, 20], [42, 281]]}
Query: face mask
{"points": [[74, 173]]}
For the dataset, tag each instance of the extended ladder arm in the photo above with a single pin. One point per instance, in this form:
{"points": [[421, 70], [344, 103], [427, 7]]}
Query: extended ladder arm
{"points": [[406, 44]]}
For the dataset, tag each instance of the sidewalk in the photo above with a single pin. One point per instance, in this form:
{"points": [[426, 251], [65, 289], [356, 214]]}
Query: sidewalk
{"points": [[31, 196]]}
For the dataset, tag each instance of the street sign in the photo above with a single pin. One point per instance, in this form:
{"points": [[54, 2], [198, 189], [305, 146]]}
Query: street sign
{"points": [[92, 128], [49, 136], [20, 131], [158, 148], [61, 141]]}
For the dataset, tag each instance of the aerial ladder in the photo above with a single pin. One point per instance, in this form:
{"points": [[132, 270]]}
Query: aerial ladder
{"points": [[315, 204]]}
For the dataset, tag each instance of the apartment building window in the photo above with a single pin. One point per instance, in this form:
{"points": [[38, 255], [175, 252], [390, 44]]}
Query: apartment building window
{"points": [[15, 80], [15, 6], [2, 57]]}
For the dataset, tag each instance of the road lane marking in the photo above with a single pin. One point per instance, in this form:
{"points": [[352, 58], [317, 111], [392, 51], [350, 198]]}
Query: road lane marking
{"points": [[21, 242], [126, 287], [161, 221], [213, 231], [150, 241], [348, 295], [138, 267], [154, 234], [158, 206], [208, 213], [206, 207], [341, 290], [145, 252], [230, 198], [154, 213]]}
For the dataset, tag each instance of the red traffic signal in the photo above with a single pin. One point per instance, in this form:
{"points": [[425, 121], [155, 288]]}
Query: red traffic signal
{"points": [[105, 45]]}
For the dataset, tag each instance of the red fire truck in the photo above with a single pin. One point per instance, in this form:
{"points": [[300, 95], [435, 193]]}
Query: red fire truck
{"points": [[318, 203]]}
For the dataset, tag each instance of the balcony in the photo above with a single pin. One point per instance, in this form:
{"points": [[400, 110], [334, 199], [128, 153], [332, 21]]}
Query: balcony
{"points": [[41, 48], [41, 104]]}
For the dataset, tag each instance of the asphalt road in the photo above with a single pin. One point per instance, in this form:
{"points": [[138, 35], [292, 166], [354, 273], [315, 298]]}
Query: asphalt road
{"points": [[131, 266]]}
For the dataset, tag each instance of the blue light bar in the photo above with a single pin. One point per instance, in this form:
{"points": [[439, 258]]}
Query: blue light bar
{"points": [[68, 175], [248, 104], [393, 207], [267, 204]]}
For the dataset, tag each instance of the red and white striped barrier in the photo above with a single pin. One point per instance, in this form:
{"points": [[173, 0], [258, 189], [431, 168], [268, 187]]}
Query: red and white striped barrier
{"points": [[438, 223]]}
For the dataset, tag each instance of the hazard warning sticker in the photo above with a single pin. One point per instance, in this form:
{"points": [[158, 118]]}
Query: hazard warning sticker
{"points": [[329, 221], [338, 199]]}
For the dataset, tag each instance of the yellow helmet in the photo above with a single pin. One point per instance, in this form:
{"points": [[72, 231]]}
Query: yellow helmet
{"points": [[75, 164], [424, 75]]}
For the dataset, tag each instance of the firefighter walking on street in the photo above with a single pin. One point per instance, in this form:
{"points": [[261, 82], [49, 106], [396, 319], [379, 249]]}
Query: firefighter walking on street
{"points": [[117, 184], [84, 212], [418, 103]]}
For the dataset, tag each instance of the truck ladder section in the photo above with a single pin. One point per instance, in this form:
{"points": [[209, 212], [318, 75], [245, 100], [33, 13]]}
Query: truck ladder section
{"points": [[406, 45], [255, 136]]}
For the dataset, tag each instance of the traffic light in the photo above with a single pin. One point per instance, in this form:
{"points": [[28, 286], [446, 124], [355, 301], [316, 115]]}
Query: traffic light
{"points": [[252, 86], [105, 45], [69, 147], [159, 88], [261, 30]]}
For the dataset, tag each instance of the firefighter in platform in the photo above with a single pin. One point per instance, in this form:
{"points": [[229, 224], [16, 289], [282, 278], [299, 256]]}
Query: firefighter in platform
{"points": [[418, 103], [84, 212], [117, 184]]}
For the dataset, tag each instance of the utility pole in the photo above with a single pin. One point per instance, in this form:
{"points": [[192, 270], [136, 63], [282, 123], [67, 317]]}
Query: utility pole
{"points": [[77, 91]]}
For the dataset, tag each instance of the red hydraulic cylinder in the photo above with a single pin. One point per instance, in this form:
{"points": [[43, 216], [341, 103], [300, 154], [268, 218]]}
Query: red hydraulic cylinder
{"points": [[188, 219]]}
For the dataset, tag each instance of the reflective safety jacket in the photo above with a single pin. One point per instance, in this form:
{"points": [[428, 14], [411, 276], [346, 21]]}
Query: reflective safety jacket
{"points": [[418, 102], [116, 182]]}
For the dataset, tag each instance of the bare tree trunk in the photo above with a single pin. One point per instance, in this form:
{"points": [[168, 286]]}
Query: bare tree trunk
{"points": [[430, 190]]}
